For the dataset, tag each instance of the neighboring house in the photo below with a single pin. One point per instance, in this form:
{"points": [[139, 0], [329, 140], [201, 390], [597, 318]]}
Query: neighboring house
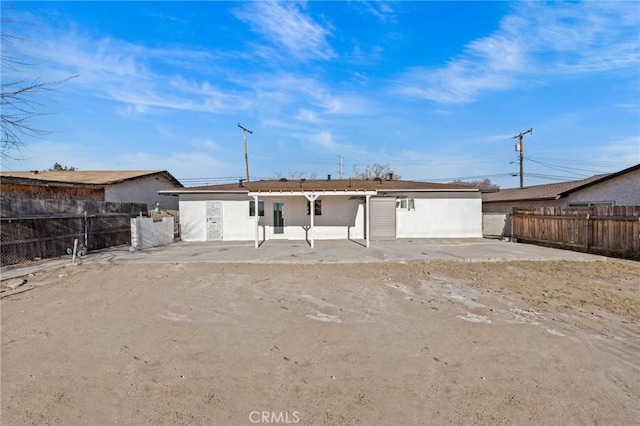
{"points": [[615, 189], [342, 209], [138, 186]]}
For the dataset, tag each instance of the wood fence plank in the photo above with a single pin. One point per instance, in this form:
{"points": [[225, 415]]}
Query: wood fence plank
{"points": [[610, 229]]}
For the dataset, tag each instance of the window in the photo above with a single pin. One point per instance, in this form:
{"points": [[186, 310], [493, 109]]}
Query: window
{"points": [[252, 208], [592, 203], [406, 204], [317, 211]]}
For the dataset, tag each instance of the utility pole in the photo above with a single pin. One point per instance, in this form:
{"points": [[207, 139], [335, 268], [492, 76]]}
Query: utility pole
{"points": [[340, 164], [246, 156], [520, 149]]}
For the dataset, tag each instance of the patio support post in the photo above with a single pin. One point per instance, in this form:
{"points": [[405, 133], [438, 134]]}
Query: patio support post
{"points": [[256, 211], [312, 213], [367, 220]]}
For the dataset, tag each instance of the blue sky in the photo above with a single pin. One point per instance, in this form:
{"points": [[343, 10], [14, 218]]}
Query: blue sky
{"points": [[434, 89]]}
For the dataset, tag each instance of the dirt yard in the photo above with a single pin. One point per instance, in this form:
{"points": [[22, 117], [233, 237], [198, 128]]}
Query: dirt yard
{"points": [[415, 343]]}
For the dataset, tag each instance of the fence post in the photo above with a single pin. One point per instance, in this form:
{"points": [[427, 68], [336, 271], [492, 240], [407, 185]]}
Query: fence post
{"points": [[588, 232], [86, 236]]}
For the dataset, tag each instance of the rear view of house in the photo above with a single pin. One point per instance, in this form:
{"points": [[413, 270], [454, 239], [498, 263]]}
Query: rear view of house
{"points": [[328, 209]]}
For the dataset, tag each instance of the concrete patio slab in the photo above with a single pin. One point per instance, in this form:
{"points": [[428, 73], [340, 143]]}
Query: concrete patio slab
{"points": [[325, 251]]}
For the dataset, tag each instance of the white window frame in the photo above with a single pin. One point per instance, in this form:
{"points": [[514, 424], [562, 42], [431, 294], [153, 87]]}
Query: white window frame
{"points": [[407, 204]]}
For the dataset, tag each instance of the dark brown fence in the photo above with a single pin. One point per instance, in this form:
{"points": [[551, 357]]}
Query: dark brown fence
{"points": [[28, 232], [609, 230]]}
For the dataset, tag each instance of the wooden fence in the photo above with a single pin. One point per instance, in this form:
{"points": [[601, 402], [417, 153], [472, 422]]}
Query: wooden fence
{"points": [[32, 229], [608, 230]]}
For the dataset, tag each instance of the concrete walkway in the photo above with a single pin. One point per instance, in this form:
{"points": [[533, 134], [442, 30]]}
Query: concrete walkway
{"points": [[325, 251]]}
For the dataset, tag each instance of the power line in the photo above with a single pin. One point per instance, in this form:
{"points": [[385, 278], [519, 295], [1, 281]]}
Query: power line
{"points": [[552, 177], [561, 169], [478, 177]]}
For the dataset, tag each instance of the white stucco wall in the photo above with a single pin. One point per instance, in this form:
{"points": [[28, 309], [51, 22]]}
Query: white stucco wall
{"points": [[496, 224], [447, 215], [145, 233], [341, 218], [192, 218], [237, 225], [143, 190], [441, 215], [622, 191]]}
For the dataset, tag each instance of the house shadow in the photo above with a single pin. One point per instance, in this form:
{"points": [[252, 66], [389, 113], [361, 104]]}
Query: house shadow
{"points": [[354, 240]]}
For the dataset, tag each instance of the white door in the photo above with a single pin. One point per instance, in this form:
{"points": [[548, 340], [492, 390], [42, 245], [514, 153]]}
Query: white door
{"points": [[214, 220], [279, 222]]}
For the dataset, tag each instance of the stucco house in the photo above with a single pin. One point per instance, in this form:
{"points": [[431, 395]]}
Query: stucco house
{"points": [[328, 209], [615, 189], [123, 186]]}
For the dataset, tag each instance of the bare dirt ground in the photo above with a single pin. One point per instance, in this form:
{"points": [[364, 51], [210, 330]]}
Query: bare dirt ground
{"points": [[504, 343]]}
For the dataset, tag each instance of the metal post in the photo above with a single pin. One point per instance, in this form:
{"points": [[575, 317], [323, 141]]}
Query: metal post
{"points": [[368, 220], [256, 210], [75, 250], [312, 213]]}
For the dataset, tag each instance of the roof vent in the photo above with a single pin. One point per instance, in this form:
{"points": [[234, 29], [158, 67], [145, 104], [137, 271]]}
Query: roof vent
{"points": [[390, 176], [328, 177], [240, 181], [302, 180], [378, 179]]}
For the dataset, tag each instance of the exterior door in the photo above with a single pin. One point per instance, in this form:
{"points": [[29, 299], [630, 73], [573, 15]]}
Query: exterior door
{"points": [[214, 220], [278, 218], [383, 218]]}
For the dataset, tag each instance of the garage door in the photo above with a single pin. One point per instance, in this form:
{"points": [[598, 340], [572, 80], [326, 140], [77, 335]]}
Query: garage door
{"points": [[383, 218]]}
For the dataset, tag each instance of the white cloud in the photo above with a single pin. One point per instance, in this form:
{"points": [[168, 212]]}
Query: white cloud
{"points": [[135, 75], [307, 115], [625, 149], [207, 144], [302, 93], [537, 39], [382, 10], [286, 25], [179, 164], [42, 155]]}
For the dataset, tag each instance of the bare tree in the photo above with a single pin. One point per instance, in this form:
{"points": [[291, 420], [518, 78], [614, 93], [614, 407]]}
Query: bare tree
{"points": [[375, 170], [295, 175], [18, 99], [57, 167], [482, 184]]}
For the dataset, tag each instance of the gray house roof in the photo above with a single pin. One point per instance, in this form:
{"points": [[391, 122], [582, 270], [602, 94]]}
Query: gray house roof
{"points": [[320, 185], [84, 178], [551, 191]]}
